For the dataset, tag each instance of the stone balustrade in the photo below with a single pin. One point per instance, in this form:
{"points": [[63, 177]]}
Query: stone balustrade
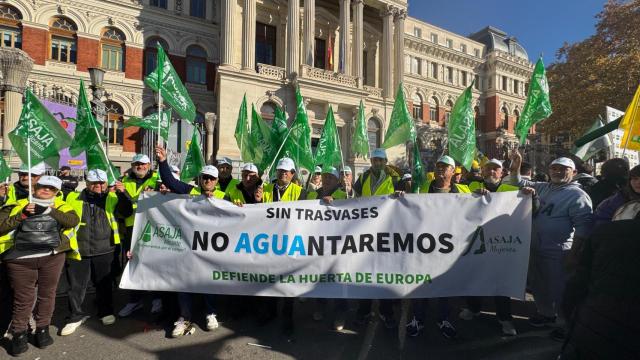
{"points": [[329, 76], [271, 72]]}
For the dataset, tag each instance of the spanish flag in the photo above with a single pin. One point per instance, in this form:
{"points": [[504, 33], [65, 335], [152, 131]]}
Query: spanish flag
{"points": [[631, 124], [330, 42]]}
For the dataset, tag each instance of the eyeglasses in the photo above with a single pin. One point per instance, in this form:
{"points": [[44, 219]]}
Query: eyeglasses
{"points": [[208, 177], [21, 174]]}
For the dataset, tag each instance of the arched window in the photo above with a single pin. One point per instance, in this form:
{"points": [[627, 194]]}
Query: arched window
{"points": [[417, 107], [504, 124], [433, 109], [268, 110], [151, 53], [112, 44], [115, 114], [196, 65], [447, 112], [10, 28], [63, 39], [373, 132]]}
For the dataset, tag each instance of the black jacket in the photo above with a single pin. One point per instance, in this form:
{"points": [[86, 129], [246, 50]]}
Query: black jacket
{"points": [[604, 293]]}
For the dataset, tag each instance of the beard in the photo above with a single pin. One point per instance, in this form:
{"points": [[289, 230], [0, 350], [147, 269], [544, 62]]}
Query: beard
{"points": [[139, 173]]}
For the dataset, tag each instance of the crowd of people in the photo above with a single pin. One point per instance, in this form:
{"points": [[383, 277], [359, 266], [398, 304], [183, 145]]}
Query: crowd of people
{"points": [[583, 273]]}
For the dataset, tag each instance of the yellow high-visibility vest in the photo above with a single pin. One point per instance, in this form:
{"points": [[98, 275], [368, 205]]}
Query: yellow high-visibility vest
{"points": [[134, 192], [73, 200]]}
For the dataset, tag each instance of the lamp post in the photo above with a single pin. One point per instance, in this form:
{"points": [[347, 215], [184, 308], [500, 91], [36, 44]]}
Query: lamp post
{"points": [[99, 108]]}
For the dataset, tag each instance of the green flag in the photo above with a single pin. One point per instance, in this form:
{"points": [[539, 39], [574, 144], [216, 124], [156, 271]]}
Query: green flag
{"points": [[279, 126], [298, 144], [150, 122], [88, 131], [418, 175], [5, 170], [328, 152], [46, 135], [96, 159], [537, 107], [462, 130], [262, 139], [401, 127], [172, 89], [591, 148], [242, 133], [194, 162], [360, 140]]}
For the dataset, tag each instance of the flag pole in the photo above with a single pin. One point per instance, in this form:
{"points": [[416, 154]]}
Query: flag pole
{"points": [[275, 158], [633, 120], [29, 165], [104, 153], [6, 181]]}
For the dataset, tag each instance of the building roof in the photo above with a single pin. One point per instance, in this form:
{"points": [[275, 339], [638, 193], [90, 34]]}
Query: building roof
{"points": [[496, 39]]}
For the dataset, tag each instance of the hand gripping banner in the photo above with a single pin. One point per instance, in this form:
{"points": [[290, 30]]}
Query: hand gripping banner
{"points": [[416, 246]]}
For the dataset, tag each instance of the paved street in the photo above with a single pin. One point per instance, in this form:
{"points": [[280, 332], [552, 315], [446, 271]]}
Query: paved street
{"points": [[140, 337]]}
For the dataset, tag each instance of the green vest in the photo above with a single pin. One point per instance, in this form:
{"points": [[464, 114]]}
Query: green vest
{"points": [[424, 188], [110, 206], [386, 188], [216, 193], [134, 191], [337, 195], [6, 240], [291, 194], [475, 185]]}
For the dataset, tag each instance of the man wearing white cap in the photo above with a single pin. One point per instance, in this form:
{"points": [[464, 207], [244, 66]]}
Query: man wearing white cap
{"points": [[207, 180], [225, 172], [346, 181], [137, 179], [34, 238], [20, 189], [97, 235], [442, 182], [563, 217], [315, 182], [249, 190], [380, 179]]}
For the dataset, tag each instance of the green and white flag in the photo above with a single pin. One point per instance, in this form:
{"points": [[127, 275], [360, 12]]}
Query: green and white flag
{"points": [[418, 175], [44, 132], [194, 162], [401, 127], [97, 159], [298, 144], [462, 130], [172, 89], [328, 152], [538, 106], [243, 134], [5, 170], [88, 131], [150, 122], [591, 148], [262, 141], [360, 140]]}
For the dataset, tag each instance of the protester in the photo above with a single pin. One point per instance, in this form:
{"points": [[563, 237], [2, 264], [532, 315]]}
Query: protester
{"points": [[615, 173], [346, 181], [380, 179], [629, 192], [69, 182], [474, 174], [457, 175], [584, 176], [97, 237], [603, 294], [441, 184], [20, 189], [560, 225], [138, 179], [34, 238], [315, 182], [406, 183], [526, 171], [249, 190], [225, 171], [493, 182]]}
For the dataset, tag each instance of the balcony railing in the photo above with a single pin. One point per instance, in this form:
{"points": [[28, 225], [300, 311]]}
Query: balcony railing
{"points": [[271, 72], [329, 76]]}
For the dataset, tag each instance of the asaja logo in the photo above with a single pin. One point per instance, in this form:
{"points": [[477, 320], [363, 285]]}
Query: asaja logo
{"points": [[161, 236], [494, 244]]}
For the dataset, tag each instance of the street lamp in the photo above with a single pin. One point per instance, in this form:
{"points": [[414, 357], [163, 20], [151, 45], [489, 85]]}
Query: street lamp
{"points": [[99, 108]]}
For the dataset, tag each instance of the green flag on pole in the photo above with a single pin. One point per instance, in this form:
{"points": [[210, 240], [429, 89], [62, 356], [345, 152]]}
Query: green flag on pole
{"points": [[279, 126], [591, 148], [194, 162], [298, 144], [418, 175], [150, 122], [242, 133], [88, 131], [462, 130], [5, 170], [97, 159], [328, 152], [401, 127], [172, 89], [262, 139], [360, 140], [537, 107], [46, 135]]}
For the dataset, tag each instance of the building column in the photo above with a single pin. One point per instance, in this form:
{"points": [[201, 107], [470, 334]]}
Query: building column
{"points": [[386, 51], [309, 30], [15, 66], [249, 35], [399, 18], [226, 32], [293, 37], [210, 120], [358, 32], [343, 60]]}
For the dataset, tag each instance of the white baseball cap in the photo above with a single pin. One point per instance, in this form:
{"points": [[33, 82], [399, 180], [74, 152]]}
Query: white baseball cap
{"points": [[318, 169], [346, 170], [406, 177], [379, 153], [97, 175], [564, 162], [224, 160], [141, 158], [287, 164], [250, 167], [331, 170], [494, 161], [50, 181], [209, 170], [446, 159], [35, 170]]}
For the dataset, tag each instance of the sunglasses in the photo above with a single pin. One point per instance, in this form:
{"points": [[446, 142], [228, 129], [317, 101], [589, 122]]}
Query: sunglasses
{"points": [[208, 177], [21, 174]]}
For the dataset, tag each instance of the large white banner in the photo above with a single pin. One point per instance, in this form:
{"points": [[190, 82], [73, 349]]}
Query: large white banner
{"points": [[432, 245]]}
